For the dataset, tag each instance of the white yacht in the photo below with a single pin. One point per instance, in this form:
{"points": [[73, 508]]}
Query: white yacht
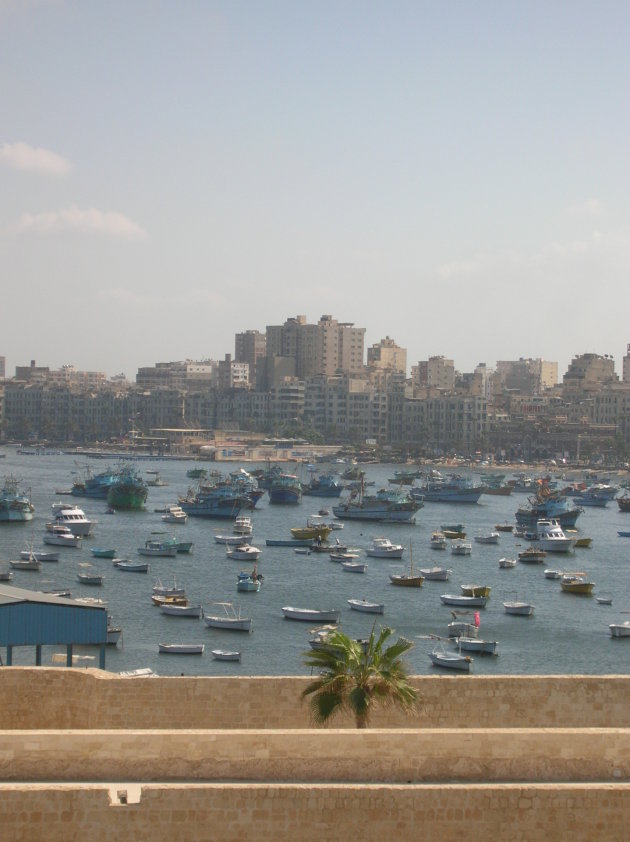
{"points": [[550, 537], [73, 517]]}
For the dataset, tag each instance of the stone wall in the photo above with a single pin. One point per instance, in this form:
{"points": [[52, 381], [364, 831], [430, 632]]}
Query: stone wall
{"points": [[57, 697], [314, 813]]}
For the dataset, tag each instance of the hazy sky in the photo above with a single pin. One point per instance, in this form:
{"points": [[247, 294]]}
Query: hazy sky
{"points": [[454, 175]]}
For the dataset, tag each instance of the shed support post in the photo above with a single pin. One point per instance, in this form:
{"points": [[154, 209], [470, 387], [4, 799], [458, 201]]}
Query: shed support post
{"points": [[101, 657], [69, 655], [9, 656], [38, 655]]}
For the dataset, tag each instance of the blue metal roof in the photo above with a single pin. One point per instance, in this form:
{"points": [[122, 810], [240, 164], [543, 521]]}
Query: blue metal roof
{"points": [[33, 618]]}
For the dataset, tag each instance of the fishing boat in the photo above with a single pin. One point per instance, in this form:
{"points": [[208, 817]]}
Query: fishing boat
{"points": [[243, 525], [40, 555], [366, 606], [548, 505], [436, 574], [475, 590], [15, 502], [441, 657], [582, 543], [451, 489], [5, 574], [164, 549], [507, 563], [409, 579], [386, 506], [60, 536], [532, 555], [128, 491], [225, 655], [73, 517], [459, 628], [129, 566], [181, 648], [164, 599], [311, 615], [620, 629], [576, 583], [313, 531], [603, 600], [90, 578], [233, 540], [285, 489], [504, 527], [102, 552], [168, 590], [230, 618], [190, 612], [114, 633], [249, 582], [325, 485], [624, 502], [462, 601], [453, 530], [473, 644], [553, 574], [25, 564], [522, 609]]}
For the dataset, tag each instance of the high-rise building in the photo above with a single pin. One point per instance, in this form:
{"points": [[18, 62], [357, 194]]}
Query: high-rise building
{"points": [[387, 355], [250, 347]]}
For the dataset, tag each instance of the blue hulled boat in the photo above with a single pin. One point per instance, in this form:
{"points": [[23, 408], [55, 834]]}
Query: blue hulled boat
{"points": [[325, 485], [285, 489], [386, 506], [451, 489]]}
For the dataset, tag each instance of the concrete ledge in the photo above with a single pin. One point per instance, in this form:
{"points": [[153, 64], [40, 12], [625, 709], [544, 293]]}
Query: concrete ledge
{"points": [[312, 813], [302, 756]]}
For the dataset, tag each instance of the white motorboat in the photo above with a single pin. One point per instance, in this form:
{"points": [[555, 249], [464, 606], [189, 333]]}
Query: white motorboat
{"points": [[181, 648], [73, 517], [5, 574], [553, 574], [463, 601], [507, 563], [459, 547], [437, 541], [311, 615], [442, 657], [225, 655], [354, 566], [243, 552], [620, 629], [436, 574], [487, 537], [189, 611], [175, 514], [243, 525], [229, 619], [60, 536], [383, 548], [550, 537], [366, 607], [114, 633]]}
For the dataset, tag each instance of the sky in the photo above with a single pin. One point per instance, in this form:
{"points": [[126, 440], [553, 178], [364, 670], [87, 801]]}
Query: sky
{"points": [[453, 175]]}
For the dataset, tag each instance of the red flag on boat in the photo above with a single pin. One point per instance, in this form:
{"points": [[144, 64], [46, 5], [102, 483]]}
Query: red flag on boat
{"points": [[477, 619]]}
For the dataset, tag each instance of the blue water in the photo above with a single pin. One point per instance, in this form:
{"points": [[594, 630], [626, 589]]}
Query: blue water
{"points": [[566, 634]]}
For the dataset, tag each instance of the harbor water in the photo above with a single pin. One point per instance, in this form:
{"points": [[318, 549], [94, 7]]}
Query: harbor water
{"points": [[567, 634]]}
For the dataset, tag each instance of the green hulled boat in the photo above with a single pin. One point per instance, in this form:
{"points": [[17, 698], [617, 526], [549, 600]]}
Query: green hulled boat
{"points": [[129, 491]]}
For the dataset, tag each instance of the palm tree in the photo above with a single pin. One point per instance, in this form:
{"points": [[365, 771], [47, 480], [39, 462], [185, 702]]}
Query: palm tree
{"points": [[356, 677]]}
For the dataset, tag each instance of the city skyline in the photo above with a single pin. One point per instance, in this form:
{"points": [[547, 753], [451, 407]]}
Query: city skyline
{"points": [[453, 177]]}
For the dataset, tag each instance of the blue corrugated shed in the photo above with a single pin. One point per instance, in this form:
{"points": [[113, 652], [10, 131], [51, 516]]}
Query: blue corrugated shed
{"points": [[33, 618]]}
